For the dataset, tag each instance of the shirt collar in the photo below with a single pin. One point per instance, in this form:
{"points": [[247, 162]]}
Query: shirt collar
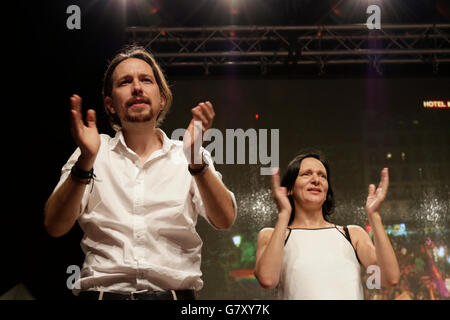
{"points": [[119, 139]]}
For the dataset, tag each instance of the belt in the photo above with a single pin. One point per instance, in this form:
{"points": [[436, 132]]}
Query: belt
{"points": [[147, 295]]}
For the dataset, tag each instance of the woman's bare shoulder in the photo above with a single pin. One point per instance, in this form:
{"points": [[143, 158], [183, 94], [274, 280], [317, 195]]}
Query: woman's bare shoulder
{"points": [[265, 234]]}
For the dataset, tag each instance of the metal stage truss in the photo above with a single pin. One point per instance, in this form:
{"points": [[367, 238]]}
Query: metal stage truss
{"points": [[266, 46]]}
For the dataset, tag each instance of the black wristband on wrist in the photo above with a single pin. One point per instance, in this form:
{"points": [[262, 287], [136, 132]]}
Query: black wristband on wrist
{"points": [[198, 172], [81, 174], [202, 170]]}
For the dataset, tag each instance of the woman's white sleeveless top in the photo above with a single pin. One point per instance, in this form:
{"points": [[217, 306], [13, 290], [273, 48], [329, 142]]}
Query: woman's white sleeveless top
{"points": [[320, 264]]}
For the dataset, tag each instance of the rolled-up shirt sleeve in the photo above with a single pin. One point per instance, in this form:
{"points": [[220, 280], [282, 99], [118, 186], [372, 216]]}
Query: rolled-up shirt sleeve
{"points": [[197, 199]]}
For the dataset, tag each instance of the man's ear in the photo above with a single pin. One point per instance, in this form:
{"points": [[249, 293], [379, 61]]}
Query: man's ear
{"points": [[109, 106], [163, 102]]}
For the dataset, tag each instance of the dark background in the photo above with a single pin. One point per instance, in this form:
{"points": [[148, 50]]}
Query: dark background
{"points": [[45, 63]]}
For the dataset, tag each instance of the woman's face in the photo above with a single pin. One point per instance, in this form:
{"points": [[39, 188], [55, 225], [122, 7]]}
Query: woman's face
{"points": [[311, 185]]}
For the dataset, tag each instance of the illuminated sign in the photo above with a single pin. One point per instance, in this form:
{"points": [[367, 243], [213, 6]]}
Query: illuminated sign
{"points": [[436, 104]]}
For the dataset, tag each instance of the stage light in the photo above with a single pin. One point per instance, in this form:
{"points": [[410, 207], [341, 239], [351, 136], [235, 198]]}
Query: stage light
{"points": [[336, 11], [237, 240], [388, 155], [256, 116], [403, 156]]}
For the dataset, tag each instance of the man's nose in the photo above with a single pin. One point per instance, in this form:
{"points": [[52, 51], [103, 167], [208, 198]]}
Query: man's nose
{"points": [[137, 87]]}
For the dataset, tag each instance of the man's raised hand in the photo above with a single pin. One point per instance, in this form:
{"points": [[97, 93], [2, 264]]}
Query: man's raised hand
{"points": [[203, 116], [85, 135]]}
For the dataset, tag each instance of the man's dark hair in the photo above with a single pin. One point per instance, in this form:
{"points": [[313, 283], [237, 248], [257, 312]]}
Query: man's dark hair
{"points": [[291, 174]]}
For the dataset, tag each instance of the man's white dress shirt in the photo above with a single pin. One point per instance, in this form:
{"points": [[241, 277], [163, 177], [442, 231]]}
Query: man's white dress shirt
{"points": [[139, 219]]}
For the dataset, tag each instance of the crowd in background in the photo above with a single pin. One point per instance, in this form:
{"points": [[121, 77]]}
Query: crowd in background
{"points": [[424, 262]]}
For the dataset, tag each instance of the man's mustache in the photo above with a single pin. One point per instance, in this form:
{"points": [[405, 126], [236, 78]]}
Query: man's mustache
{"points": [[140, 99]]}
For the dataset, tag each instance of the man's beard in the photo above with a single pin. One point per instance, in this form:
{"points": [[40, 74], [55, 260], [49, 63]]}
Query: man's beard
{"points": [[144, 116]]}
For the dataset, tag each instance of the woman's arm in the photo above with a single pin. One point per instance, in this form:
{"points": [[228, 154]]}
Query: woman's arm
{"points": [[381, 254], [269, 252]]}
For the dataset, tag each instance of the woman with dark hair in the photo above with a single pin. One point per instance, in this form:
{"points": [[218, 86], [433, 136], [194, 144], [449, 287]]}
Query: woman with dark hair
{"points": [[307, 256], [291, 175]]}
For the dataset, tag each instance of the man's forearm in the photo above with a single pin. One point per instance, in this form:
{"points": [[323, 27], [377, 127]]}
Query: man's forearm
{"points": [[217, 200], [387, 261], [63, 207]]}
